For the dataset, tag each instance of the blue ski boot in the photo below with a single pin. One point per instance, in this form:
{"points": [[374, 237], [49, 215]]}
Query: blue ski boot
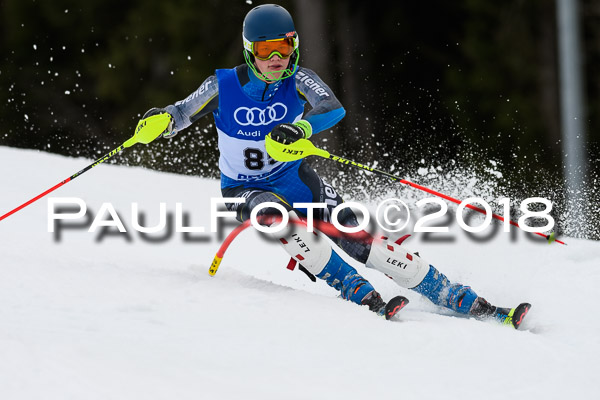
{"points": [[437, 288], [353, 287], [462, 299], [506, 316]]}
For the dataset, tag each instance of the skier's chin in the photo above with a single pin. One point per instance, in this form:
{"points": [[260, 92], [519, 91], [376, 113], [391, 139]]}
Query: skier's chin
{"points": [[275, 73]]}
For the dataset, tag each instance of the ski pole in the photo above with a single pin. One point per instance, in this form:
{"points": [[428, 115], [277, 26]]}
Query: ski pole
{"points": [[145, 132], [303, 148]]}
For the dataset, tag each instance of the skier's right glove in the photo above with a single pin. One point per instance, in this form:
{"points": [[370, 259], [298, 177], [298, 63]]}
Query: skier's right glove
{"points": [[289, 133], [167, 133]]}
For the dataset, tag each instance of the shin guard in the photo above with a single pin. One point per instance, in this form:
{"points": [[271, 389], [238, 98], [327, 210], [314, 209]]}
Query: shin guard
{"points": [[317, 256], [406, 268], [409, 270], [307, 248]]}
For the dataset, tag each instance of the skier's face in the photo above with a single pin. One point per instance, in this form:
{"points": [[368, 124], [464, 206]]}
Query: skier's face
{"points": [[273, 67]]}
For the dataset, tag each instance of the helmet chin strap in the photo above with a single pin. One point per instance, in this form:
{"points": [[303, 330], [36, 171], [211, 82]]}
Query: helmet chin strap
{"points": [[265, 76]]}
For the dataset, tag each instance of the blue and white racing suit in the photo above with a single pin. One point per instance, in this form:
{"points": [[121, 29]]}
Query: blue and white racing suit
{"points": [[245, 110]]}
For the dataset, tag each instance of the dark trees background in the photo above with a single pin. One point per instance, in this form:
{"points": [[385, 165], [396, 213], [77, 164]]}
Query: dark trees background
{"points": [[430, 83]]}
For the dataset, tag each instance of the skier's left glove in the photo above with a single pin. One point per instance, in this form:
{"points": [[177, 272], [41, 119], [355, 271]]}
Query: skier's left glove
{"points": [[289, 133]]}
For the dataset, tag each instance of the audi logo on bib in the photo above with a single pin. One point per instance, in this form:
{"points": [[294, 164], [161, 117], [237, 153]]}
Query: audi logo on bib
{"points": [[256, 116]]}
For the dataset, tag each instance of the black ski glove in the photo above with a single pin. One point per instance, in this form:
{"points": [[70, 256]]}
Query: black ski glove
{"points": [[289, 133]]}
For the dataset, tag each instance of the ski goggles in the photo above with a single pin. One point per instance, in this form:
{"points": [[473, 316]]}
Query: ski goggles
{"points": [[266, 49]]}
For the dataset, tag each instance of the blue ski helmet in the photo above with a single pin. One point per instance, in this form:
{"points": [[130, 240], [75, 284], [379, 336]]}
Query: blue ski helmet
{"points": [[269, 22]]}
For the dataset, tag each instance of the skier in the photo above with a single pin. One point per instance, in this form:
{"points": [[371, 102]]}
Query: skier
{"points": [[266, 95]]}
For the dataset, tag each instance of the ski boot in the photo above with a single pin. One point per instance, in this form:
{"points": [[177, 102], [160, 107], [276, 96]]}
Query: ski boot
{"points": [[506, 316], [353, 287]]}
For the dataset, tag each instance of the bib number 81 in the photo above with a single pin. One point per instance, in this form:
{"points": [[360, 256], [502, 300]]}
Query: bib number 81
{"points": [[254, 159]]}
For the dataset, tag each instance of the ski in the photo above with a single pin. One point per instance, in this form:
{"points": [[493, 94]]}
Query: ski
{"points": [[394, 306], [513, 317]]}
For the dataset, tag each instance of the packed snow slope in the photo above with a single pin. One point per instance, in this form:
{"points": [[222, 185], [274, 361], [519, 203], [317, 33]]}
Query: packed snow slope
{"points": [[111, 316]]}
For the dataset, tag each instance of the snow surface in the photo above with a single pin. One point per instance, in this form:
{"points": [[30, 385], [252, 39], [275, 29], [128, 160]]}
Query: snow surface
{"points": [[112, 319]]}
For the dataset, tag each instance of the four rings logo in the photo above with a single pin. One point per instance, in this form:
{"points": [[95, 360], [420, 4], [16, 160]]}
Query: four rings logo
{"points": [[255, 116]]}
